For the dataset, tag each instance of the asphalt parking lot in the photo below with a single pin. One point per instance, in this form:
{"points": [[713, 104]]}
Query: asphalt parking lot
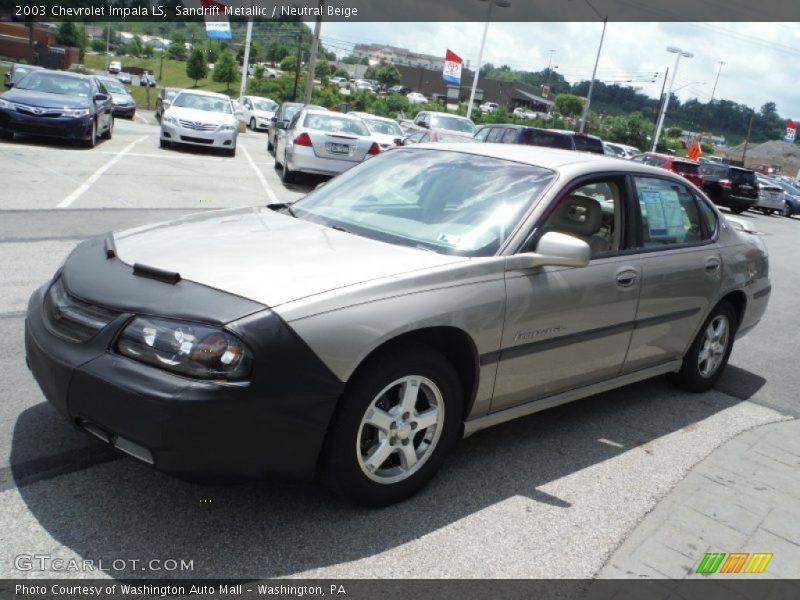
{"points": [[551, 495]]}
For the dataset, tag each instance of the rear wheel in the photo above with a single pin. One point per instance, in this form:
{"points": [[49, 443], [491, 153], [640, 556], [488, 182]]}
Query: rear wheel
{"points": [[705, 361], [395, 425], [287, 176]]}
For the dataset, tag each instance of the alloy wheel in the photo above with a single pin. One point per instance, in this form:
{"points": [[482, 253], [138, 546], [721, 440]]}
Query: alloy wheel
{"points": [[715, 344]]}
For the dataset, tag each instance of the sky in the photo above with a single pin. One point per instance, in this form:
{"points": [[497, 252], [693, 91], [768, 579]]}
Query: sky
{"points": [[762, 60]]}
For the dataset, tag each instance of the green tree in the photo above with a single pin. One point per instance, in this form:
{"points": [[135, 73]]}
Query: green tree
{"points": [[387, 74], [69, 34], [341, 72], [148, 51], [99, 45], [322, 70], [225, 69], [288, 63], [196, 65], [568, 105], [674, 132], [276, 51], [177, 47]]}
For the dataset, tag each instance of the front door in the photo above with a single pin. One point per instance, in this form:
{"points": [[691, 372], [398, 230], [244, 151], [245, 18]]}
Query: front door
{"points": [[569, 327]]}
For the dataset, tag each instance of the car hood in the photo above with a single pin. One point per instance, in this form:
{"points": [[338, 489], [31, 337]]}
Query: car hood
{"points": [[268, 257], [44, 100], [264, 114], [203, 116]]}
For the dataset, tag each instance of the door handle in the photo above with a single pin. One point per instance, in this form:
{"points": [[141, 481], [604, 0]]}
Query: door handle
{"points": [[713, 265], [626, 278]]}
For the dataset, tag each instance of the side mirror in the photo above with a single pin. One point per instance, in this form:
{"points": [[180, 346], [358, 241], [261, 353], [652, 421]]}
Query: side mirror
{"points": [[167, 104], [422, 124], [281, 124], [8, 84], [398, 141], [101, 97], [274, 119], [556, 249]]}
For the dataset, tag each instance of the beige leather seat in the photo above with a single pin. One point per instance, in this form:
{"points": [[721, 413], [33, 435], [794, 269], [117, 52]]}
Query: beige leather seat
{"points": [[582, 217]]}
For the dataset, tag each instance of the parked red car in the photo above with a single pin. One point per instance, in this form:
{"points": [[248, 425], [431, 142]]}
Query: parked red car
{"points": [[682, 166]]}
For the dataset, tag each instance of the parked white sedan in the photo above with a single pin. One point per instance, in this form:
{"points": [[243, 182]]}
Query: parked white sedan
{"points": [[200, 119], [257, 112], [416, 98]]}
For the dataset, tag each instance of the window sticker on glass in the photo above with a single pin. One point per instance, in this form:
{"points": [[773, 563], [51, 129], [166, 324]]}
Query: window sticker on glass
{"points": [[664, 213]]}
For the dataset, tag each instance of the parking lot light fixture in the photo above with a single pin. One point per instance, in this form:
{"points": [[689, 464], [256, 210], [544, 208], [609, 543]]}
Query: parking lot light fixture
{"points": [[476, 73], [679, 53]]}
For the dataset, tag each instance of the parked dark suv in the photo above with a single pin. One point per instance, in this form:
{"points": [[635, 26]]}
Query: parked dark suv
{"points": [[730, 186], [682, 166], [533, 136]]}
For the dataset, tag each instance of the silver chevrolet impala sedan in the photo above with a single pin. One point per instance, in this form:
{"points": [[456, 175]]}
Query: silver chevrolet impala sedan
{"points": [[423, 295]]}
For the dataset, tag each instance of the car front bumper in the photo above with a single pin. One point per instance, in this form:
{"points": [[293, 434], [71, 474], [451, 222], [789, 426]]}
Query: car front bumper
{"points": [[124, 111], [770, 203], [72, 128], [275, 423], [210, 139]]}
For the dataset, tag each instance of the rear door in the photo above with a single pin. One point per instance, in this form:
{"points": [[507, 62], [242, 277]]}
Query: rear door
{"points": [[681, 270]]}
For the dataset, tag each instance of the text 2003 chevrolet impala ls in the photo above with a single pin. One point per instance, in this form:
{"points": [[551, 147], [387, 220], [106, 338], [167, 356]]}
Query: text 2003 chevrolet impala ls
{"points": [[425, 294]]}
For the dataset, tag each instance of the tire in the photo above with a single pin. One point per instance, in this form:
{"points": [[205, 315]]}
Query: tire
{"points": [[110, 131], [410, 455], [737, 211], [6, 135], [287, 176], [165, 143], [252, 124], [270, 147], [786, 211], [92, 141], [705, 360], [232, 152]]}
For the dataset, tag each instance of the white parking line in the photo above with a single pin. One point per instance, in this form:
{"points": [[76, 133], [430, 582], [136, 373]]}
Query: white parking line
{"points": [[272, 197], [96, 175], [167, 154]]}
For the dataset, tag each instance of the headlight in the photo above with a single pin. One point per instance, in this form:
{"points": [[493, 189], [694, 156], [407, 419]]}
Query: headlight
{"points": [[170, 120], [5, 104], [189, 349], [75, 112], [226, 128]]}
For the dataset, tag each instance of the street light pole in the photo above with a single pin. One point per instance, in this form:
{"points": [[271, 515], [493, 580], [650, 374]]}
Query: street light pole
{"points": [[594, 74], [312, 60], [476, 72], [660, 122], [720, 63]]}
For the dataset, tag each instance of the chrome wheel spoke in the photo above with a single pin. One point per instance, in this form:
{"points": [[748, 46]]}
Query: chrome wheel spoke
{"points": [[410, 394], [408, 456], [379, 419], [426, 419], [378, 456]]}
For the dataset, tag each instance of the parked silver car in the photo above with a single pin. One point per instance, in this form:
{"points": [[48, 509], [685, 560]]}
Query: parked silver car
{"points": [[770, 197], [322, 142], [384, 131], [426, 294], [200, 118]]}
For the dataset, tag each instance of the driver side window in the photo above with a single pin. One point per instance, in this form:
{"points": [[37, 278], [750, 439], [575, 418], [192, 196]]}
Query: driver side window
{"points": [[591, 212]]}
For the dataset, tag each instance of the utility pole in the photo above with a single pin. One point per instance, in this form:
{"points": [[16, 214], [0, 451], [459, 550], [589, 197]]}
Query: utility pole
{"points": [[312, 60], [661, 98], [594, 74], [720, 63], [299, 60], [246, 61]]}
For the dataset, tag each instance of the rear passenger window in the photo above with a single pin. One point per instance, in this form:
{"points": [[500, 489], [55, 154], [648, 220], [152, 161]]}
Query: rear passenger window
{"points": [[510, 136], [709, 217], [670, 213], [495, 135], [481, 135]]}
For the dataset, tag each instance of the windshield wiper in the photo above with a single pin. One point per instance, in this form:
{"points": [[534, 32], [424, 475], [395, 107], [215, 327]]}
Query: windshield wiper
{"points": [[339, 228]]}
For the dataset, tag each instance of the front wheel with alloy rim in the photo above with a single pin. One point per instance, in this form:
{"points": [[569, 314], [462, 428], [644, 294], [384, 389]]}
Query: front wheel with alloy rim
{"points": [[705, 361], [110, 131], [92, 141], [396, 423]]}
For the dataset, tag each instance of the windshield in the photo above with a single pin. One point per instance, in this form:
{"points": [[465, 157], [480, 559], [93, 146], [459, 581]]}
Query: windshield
{"points": [[452, 123], [334, 123], [384, 127], [114, 86], [445, 201], [201, 102], [265, 105], [50, 83], [549, 139]]}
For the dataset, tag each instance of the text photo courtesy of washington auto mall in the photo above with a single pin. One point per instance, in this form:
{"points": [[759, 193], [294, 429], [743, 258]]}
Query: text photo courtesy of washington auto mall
{"points": [[468, 299]]}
